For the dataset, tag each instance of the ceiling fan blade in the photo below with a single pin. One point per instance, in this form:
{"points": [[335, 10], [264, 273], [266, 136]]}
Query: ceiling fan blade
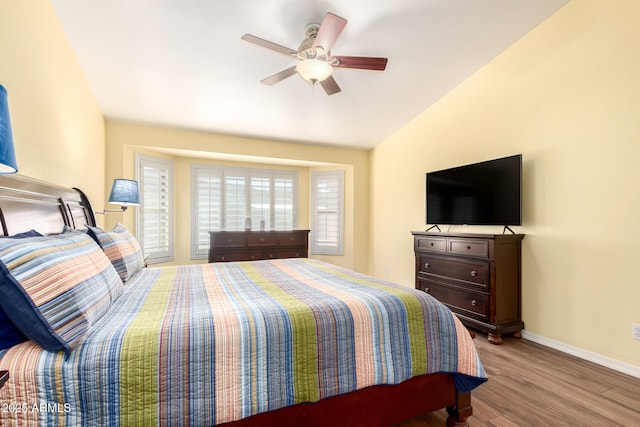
{"points": [[330, 30], [330, 85], [269, 45], [277, 77], [361, 62]]}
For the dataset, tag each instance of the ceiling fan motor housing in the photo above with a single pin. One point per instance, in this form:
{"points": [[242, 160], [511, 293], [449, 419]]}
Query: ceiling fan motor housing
{"points": [[306, 50]]}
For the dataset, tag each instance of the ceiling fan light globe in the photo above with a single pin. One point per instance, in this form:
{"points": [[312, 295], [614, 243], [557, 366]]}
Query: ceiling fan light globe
{"points": [[314, 70]]}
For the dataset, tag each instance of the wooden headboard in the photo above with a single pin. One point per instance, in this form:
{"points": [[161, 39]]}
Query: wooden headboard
{"points": [[27, 203]]}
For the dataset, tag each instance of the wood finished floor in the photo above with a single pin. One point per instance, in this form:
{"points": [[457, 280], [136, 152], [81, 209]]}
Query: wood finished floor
{"points": [[533, 385]]}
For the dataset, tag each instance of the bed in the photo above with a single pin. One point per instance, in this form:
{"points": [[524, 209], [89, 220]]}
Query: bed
{"points": [[107, 341]]}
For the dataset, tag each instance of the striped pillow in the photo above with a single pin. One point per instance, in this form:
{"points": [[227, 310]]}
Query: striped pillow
{"points": [[9, 334], [54, 288], [122, 248]]}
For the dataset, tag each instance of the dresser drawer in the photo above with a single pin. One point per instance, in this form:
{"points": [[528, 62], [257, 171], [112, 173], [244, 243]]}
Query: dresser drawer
{"points": [[459, 300], [297, 239], [235, 256], [469, 247], [284, 253], [431, 244], [229, 241], [475, 273], [261, 240]]}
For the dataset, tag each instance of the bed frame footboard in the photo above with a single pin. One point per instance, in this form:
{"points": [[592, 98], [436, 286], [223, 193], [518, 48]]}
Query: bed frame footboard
{"points": [[376, 406]]}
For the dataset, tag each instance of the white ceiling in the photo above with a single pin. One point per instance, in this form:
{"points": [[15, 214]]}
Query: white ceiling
{"points": [[183, 64]]}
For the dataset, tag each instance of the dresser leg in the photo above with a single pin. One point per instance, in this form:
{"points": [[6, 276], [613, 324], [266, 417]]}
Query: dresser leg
{"points": [[517, 335], [495, 338]]}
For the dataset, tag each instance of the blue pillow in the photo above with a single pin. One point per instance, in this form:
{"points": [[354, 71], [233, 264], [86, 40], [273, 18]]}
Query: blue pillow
{"points": [[9, 334]]}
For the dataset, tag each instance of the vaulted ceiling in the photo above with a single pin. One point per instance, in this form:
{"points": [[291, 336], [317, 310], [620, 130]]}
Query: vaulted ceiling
{"points": [[183, 63]]}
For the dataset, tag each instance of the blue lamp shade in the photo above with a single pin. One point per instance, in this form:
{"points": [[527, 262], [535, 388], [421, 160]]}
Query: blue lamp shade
{"points": [[7, 154], [124, 192]]}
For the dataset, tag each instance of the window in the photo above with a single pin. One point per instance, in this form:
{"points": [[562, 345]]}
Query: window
{"points": [[327, 219], [155, 215], [223, 197]]}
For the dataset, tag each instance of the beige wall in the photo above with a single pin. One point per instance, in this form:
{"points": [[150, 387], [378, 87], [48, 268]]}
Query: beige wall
{"points": [[125, 139], [58, 128], [566, 96]]}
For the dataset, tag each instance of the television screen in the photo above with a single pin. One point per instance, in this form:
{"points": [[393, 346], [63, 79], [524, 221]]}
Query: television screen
{"points": [[485, 193]]}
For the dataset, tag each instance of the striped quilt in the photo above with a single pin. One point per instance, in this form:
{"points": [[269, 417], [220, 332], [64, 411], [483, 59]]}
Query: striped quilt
{"points": [[207, 344]]}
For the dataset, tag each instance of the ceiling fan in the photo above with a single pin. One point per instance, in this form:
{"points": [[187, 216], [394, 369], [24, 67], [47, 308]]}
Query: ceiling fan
{"points": [[315, 62]]}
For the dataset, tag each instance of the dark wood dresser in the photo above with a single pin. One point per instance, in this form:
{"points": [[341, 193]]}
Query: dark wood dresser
{"points": [[227, 246], [478, 276]]}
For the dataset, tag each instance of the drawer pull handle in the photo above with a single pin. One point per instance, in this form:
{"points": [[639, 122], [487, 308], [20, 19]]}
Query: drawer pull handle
{"points": [[291, 239], [474, 303], [468, 247], [473, 273], [228, 240], [426, 265], [431, 244], [222, 258], [426, 290], [262, 239]]}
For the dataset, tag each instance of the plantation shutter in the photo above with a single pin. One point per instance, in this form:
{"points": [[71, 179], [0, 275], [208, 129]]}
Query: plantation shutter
{"points": [[155, 215], [222, 199], [235, 197], [260, 200], [284, 202], [207, 207], [327, 228]]}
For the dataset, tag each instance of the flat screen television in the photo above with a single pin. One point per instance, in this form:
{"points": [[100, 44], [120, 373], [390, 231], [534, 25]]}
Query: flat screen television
{"points": [[485, 193]]}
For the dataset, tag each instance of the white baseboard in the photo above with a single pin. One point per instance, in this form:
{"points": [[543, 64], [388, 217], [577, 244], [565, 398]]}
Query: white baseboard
{"points": [[616, 365]]}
